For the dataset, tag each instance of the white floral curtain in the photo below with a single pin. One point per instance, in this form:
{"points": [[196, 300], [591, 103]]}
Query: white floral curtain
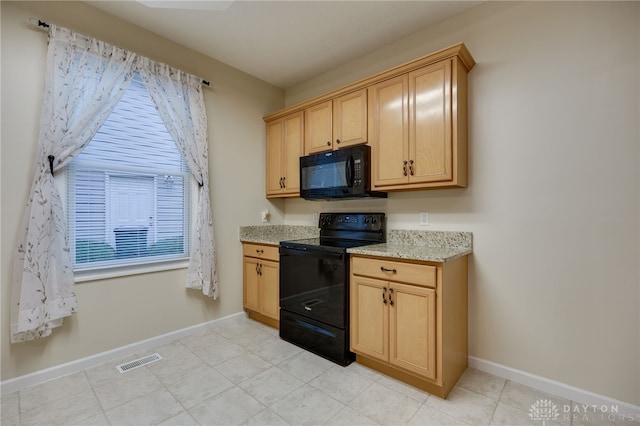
{"points": [[178, 97], [84, 80]]}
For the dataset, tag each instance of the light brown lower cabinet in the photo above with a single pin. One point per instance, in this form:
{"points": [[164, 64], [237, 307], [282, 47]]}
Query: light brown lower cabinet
{"points": [[261, 281], [409, 320]]}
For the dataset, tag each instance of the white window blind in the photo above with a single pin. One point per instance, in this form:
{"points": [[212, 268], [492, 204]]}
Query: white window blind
{"points": [[128, 190]]}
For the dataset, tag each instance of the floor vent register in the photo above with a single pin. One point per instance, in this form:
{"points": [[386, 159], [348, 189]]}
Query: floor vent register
{"points": [[132, 365]]}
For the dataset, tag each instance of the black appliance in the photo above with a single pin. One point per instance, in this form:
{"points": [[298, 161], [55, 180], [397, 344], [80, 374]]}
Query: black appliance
{"points": [[340, 174], [314, 283]]}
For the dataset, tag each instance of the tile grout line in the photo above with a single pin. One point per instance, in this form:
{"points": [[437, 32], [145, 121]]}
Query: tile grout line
{"points": [[493, 415], [95, 395]]}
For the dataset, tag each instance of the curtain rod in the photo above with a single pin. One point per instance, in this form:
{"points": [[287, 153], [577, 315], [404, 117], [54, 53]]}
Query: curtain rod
{"points": [[39, 23]]}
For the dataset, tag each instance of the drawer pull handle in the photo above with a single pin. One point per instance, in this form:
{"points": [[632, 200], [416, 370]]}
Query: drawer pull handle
{"points": [[259, 251], [383, 269], [384, 292]]}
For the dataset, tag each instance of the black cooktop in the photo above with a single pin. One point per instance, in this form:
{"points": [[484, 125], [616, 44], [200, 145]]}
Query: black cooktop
{"points": [[326, 242], [340, 231]]}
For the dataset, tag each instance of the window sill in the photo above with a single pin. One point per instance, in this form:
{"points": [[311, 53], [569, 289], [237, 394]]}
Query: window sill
{"points": [[123, 271]]}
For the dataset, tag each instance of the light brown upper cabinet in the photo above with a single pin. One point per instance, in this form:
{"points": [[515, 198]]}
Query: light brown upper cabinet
{"points": [[284, 148], [418, 128], [336, 123], [414, 116]]}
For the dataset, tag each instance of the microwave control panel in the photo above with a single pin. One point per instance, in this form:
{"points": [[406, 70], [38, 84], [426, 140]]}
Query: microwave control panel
{"points": [[357, 167]]}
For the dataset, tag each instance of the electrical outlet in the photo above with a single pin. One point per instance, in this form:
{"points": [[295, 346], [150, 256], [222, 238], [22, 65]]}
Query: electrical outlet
{"points": [[265, 216], [315, 217], [424, 218]]}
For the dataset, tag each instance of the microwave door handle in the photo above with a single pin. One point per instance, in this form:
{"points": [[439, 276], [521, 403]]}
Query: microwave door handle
{"points": [[350, 171]]}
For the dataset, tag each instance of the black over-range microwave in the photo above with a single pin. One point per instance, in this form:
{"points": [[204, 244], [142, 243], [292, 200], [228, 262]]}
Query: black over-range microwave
{"points": [[340, 174]]}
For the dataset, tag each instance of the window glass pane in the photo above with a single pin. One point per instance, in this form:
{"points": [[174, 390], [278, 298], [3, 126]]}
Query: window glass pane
{"points": [[128, 191]]}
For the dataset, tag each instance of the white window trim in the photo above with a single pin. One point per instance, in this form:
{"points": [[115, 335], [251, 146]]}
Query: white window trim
{"points": [[96, 274]]}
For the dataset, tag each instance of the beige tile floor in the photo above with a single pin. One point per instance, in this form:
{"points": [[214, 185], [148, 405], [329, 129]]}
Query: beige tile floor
{"points": [[241, 373]]}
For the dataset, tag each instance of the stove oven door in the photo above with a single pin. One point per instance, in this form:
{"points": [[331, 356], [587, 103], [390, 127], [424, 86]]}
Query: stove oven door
{"points": [[314, 284]]}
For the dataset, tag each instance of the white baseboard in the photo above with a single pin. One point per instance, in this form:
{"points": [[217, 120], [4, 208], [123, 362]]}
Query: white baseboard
{"points": [[47, 374], [553, 387]]}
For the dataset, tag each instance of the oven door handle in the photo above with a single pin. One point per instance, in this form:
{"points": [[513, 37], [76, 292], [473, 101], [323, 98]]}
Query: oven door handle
{"points": [[310, 251]]}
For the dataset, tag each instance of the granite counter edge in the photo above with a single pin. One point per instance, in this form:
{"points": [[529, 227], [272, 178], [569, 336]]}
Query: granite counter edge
{"points": [[427, 254]]}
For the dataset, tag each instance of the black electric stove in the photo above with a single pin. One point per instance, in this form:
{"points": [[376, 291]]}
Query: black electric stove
{"points": [[314, 283]]}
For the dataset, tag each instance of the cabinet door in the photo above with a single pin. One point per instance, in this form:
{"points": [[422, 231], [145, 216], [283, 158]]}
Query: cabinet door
{"points": [[431, 145], [389, 131], [292, 150], [275, 132], [317, 126], [369, 318], [251, 289], [269, 289], [412, 323], [350, 119]]}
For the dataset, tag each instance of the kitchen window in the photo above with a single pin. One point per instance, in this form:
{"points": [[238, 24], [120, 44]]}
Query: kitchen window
{"points": [[128, 197], [129, 194]]}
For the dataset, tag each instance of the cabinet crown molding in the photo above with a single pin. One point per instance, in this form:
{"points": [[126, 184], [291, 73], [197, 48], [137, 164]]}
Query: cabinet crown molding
{"points": [[458, 50]]}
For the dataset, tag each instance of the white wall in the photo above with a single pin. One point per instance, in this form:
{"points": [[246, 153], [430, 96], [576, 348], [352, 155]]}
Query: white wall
{"points": [[116, 312], [554, 193]]}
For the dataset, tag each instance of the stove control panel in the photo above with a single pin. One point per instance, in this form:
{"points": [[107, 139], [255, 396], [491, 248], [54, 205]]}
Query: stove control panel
{"points": [[352, 221]]}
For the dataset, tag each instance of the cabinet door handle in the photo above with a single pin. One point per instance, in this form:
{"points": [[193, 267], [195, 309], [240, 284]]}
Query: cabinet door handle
{"points": [[404, 168], [391, 296], [383, 269], [338, 141], [329, 143], [260, 269], [284, 182], [257, 269], [384, 292], [281, 179], [411, 167]]}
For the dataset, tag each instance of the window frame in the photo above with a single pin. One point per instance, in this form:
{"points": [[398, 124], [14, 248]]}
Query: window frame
{"points": [[92, 271], [149, 265]]}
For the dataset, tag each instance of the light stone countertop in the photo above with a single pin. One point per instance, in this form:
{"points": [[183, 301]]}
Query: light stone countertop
{"points": [[273, 234], [401, 251], [430, 246]]}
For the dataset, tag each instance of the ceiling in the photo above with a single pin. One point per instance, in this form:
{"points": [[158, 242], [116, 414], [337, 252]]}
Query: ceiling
{"points": [[283, 42]]}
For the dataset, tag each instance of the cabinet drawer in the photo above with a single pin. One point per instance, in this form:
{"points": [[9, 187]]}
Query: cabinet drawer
{"points": [[261, 251], [391, 270]]}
